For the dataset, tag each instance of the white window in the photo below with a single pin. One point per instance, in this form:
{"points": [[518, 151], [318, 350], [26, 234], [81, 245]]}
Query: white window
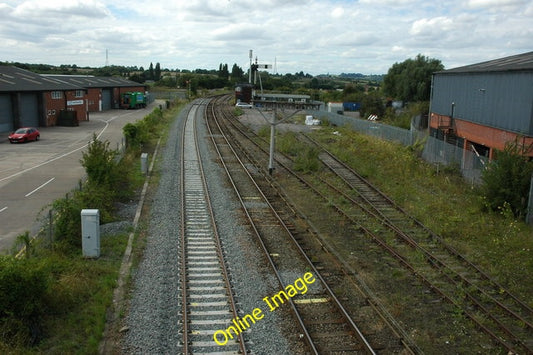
{"points": [[57, 95], [79, 93]]}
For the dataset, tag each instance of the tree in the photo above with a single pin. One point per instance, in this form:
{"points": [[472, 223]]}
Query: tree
{"points": [[506, 180], [151, 72], [237, 73], [157, 72], [411, 80], [223, 72]]}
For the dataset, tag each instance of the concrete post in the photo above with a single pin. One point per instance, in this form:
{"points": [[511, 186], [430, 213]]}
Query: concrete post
{"points": [[144, 163]]}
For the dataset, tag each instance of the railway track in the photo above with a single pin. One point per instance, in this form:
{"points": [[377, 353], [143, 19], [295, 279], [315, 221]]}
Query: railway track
{"points": [[498, 313], [325, 325], [493, 309], [206, 297]]}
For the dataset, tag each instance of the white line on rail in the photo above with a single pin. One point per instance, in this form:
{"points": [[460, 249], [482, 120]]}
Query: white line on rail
{"points": [[40, 187]]}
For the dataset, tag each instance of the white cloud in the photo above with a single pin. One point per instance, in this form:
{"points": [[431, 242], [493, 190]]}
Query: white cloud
{"points": [[315, 36], [497, 5], [337, 12], [60, 9], [431, 27]]}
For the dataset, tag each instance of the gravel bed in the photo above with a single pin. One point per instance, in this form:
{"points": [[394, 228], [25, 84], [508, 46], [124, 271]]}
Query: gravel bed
{"points": [[153, 317], [153, 320]]}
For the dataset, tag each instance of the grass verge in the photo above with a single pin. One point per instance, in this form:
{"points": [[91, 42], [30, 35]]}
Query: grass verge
{"points": [[76, 292], [444, 202]]}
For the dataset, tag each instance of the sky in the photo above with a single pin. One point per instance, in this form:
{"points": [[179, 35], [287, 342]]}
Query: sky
{"points": [[313, 36]]}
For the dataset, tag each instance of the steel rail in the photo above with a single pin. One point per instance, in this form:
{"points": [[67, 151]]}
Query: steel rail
{"points": [[432, 234], [192, 169], [431, 257], [345, 314], [301, 325], [434, 259], [402, 336]]}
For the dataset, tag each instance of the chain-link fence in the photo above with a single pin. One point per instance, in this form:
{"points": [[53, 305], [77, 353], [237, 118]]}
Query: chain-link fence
{"points": [[435, 150]]}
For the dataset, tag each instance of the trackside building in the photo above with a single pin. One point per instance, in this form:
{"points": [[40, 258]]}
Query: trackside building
{"points": [[30, 99], [483, 106], [103, 93]]}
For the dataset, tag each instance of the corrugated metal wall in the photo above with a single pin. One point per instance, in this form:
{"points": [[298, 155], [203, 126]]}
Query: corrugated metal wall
{"points": [[500, 100], [107, 95], [29, 110], [6, 113]]}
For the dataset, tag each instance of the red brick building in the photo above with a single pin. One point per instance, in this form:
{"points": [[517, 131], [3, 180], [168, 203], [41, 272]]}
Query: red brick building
{"points": [[103, 93], [30, 99]]}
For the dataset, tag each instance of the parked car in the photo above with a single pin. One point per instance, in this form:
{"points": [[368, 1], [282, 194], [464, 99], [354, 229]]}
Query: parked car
{"points": [[243, 105], [24, 134]]}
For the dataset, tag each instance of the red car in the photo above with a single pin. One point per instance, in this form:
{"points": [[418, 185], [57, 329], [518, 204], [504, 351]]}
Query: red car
{"points": [[24, 134]]}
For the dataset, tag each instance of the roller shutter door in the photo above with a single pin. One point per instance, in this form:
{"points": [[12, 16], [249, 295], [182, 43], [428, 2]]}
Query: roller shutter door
{"points": [[29, 110], [106, 99], [6, 114]]}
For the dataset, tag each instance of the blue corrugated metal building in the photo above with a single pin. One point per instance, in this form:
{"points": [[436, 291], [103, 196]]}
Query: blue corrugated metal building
{"points": [[485, 105]]}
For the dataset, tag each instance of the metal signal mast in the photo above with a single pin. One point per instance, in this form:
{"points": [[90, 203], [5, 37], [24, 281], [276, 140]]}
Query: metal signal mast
{"points": [[254, 69]]}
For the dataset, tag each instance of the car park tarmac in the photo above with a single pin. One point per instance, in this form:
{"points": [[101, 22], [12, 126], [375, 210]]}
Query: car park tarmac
{"points": [[34, 174]]}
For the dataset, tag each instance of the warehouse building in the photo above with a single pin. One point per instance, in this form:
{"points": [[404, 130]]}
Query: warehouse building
{"points": [[30, 99], [103, 93], [483, 106]]}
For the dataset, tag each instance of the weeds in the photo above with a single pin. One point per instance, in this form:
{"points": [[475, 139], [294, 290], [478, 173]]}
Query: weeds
{"points": [[498, 242], [55, 301]]}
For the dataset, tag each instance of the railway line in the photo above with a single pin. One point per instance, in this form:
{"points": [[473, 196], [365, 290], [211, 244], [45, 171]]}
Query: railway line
{"points": [[325, 324], [332, 281], [503, 316], [444, 271], [206, 297]]}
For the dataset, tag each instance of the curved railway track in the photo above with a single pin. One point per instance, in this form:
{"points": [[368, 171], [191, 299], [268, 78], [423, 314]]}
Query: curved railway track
{"points": [[493, 309], [325, 325], [206, 296]]}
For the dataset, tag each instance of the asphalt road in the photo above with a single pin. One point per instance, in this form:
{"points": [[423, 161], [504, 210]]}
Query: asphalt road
{"points": [[33, 175]]}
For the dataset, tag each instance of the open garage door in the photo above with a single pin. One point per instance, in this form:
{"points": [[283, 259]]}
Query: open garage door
{"points": [[6, 113], [29, 110], [106, 99]]}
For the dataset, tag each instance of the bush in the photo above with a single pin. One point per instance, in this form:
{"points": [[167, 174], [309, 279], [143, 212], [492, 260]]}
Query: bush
{"points": [[100, 164], [24, 287], [307, 160], [67, 221], [107, 182], [506, 180], [139, 133]]}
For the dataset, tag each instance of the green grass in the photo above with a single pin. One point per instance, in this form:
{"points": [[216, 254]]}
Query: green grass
{"points": [[444, 202], [80, 290]]}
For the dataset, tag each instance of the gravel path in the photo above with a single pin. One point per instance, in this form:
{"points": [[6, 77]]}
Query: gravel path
{"points": [[153, 318]]}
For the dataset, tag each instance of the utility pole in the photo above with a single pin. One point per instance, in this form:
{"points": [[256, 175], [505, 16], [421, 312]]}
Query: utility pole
{"points": [[272, 141], [273, 124]]}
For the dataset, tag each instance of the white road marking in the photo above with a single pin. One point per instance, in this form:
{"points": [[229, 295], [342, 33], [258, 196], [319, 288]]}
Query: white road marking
{"points": [[56, 158], [3, 209], [40, 187]]}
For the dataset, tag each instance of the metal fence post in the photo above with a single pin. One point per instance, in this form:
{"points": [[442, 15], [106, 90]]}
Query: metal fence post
{"points": [[529, 216], [50, 229]]}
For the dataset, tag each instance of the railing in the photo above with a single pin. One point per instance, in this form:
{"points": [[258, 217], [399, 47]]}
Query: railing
{"points": [[435, 150]]}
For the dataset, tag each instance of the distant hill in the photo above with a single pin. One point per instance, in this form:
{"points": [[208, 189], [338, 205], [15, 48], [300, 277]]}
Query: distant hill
{"points": [[372, 77]]}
